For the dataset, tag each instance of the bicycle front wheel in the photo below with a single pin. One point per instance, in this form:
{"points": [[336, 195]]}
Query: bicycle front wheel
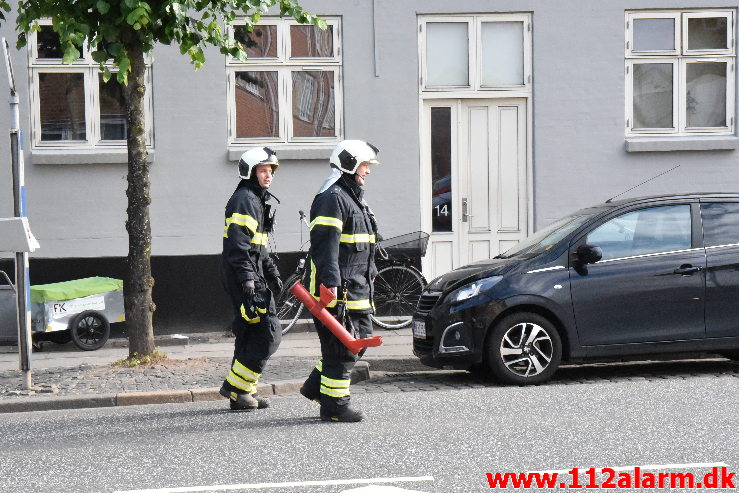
{"points": [[288, 306], [397, 290]]}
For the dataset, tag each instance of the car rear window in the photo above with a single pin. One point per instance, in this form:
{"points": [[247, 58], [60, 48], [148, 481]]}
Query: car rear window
{"points": [[720, 223]]}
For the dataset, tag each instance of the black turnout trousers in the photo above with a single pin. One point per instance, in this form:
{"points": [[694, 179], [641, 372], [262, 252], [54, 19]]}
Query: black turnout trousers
{"points": [[337, 361]]}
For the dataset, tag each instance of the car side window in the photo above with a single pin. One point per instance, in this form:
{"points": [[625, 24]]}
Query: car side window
{"points": [[650, 230], [720, 223]]}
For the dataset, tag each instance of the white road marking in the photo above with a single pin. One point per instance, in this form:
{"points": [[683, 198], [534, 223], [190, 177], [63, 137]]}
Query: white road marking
{"points": [[648, 466], [373, 488], [295, 484]]}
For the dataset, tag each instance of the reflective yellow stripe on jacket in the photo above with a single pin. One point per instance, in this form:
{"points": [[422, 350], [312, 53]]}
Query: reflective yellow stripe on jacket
{"points": [[240, 220], [259, 239], [357, 238], [313, 284], [327, 221]]}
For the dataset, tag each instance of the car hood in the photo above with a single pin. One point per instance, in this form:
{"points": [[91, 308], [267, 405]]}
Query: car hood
{"points": [[471, 272]]}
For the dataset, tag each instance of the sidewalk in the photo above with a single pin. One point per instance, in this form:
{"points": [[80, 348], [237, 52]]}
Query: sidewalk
{"points": [[65, 377]]}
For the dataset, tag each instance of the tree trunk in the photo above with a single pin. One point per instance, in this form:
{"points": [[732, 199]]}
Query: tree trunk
{"points": [[138, 282]]}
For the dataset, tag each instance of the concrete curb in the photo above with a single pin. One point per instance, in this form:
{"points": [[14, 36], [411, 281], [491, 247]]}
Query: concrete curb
{"points": [[281, 387]]}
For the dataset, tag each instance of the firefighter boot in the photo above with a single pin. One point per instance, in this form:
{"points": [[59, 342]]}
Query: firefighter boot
{"points": [[343, 414], [262, 402], [311, 388], [237, 401], [309, 395], [339, 409]]}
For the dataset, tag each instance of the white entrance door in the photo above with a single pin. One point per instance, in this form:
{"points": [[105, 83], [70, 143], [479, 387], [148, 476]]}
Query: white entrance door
{"points": [[474, 179]]}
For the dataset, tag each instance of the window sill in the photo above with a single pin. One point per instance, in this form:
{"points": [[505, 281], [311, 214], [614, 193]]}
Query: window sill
{"points": [[303, 153], [83, 156], [696, 143]]}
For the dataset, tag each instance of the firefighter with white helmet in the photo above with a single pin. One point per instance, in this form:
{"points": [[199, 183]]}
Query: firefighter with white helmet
{"points": [[343, 235], [251, 278]]}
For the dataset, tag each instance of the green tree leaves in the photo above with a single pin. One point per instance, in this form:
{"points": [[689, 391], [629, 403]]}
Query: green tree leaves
{"points": [[103, 7], [115, 24]]}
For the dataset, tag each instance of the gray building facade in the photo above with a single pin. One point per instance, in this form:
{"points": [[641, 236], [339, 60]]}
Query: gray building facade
{"points": [[493, 118]]}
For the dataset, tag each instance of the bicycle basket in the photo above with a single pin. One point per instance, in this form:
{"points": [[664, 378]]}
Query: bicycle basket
{"points": [[410, 244]]}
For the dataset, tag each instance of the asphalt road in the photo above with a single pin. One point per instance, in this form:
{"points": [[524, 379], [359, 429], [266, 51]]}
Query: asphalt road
{"points": [[438, 441]]}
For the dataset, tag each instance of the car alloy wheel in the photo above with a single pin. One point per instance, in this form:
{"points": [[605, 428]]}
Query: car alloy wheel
{"points": [[523, 348], [526, 349]]}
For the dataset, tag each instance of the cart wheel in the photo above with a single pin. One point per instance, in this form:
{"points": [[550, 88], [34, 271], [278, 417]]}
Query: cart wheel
{"points": [[59, 336], [90, 330]]}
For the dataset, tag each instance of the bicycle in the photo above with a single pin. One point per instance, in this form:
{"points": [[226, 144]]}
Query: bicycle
{"points": [[289, 308], [398, 285]]}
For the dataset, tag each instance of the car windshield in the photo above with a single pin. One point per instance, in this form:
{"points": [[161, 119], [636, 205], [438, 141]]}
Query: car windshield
{"points": [[546, 238]]}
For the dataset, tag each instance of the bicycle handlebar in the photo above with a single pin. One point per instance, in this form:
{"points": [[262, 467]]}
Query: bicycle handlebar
{"points": [[303, 218]]}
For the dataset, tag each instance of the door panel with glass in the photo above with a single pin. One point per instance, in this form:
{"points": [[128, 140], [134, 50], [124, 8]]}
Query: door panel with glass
{"points": [[475, 159]]}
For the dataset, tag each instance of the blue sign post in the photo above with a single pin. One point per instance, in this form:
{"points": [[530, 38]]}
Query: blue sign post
{"points": [[22, 280]]}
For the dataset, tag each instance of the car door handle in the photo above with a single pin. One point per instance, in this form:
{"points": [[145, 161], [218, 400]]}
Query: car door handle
{"points": [[686, 270]]}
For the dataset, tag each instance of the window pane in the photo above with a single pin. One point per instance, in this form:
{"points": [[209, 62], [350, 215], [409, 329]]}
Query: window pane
{"points": [[707, 33], [62, 106], [653, 230], [502, 53], [309, 41], [48, 45], [653, 95], [447, 54], [654, 34], [257, 112], [261, 43], [720, 223], [313, 104], [113, 124], [441, 169], [706, 98]]}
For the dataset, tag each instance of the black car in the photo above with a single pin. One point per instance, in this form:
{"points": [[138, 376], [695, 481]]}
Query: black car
{"points": [[632, 277]]}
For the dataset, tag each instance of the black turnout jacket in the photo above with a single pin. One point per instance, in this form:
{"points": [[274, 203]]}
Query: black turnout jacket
{"points": [[342, 251], [248, 222]]}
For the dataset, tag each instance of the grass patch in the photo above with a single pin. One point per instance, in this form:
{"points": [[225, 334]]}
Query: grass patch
{"points": [[136, 360]]}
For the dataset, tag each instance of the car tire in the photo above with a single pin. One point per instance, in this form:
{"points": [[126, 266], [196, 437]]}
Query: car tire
{"points": [[523, 349]]}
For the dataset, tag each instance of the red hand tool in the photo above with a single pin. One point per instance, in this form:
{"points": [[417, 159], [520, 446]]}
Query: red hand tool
{"points": [[318, 308]]}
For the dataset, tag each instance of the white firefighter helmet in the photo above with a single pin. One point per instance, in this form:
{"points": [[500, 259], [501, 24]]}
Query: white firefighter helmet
{"points": [[349, 154], [253, 158]]}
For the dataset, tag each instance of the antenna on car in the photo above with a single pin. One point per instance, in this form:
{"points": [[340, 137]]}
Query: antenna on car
{"points": [[642, 183]]}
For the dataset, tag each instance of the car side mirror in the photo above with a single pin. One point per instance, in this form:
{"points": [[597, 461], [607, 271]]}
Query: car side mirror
{"points": [[588, 254]]}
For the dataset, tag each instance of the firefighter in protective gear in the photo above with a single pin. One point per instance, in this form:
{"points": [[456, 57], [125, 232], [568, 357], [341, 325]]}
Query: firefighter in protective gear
{"points": [[250, 278], [343, 234]]}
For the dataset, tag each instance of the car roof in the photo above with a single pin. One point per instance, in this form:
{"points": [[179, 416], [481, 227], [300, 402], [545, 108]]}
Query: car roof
{"points": [[645, 199], [671, 196]]}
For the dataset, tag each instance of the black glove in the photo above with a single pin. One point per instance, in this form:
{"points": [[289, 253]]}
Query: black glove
{"points": [[248, 287], [276, 285]]}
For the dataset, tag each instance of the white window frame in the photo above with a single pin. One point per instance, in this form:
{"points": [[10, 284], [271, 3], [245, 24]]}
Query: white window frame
{"points": [[90, 68], [675, 16], [705, 14], [474, 63], [680, 57], [284, 65], [675, 93]]}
